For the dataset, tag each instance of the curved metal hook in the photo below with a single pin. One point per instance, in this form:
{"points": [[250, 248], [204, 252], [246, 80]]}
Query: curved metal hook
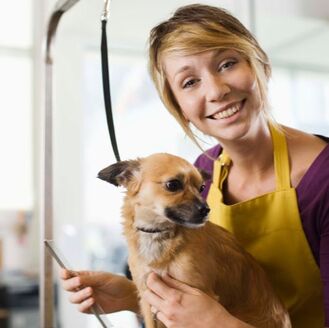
{"points": [[106, 10], [60, 8]]}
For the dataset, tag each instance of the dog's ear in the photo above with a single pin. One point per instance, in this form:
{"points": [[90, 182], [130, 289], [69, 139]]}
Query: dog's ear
{"points": [[205, 175], [120, 173]]}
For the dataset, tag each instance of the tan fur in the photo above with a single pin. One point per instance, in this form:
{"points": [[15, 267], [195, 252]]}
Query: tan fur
{"points": [[206, 257]]}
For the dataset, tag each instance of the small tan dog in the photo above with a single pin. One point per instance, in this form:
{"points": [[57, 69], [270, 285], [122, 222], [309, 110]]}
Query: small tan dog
{"points": [[164, 218]]}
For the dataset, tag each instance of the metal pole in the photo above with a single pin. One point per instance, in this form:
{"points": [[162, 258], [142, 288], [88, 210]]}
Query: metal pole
{"points": [[46, 275]]}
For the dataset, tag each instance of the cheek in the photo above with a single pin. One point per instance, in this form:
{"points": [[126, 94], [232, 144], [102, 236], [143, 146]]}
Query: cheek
{"points": [[252, 85], [248, 82], [246, 85], [255, 93], [184, 103], [146, 195], [189, 105], [150, 196]]}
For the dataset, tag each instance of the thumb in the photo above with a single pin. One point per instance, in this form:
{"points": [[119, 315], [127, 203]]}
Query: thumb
{"points": [[180, 285]]}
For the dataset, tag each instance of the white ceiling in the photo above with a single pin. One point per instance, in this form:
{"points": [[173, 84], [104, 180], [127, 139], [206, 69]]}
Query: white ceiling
{"points": [[295, 33]]}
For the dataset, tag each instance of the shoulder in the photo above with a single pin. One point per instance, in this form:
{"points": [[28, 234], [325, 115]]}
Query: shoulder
{"points": [[313, 187], [315, 181], [206, 159], [304, 150]]}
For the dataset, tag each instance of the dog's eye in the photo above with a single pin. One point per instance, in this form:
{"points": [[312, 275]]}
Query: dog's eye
{"points": [[174, 185], [202, 188]]}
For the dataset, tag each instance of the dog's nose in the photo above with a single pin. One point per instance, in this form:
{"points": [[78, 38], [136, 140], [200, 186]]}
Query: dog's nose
{"points": [[203, 209]]}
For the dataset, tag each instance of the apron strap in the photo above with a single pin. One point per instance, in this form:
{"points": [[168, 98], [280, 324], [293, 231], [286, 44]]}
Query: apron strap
{"points": [[281, 159], [221, 168]]}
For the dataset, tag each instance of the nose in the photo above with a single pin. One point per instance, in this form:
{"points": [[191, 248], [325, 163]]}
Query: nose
{"points": [[203, 209], [216, 88]]}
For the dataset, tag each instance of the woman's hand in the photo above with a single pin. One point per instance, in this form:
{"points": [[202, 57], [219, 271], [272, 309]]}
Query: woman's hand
{"points": [[179, 305], [111, 292]]}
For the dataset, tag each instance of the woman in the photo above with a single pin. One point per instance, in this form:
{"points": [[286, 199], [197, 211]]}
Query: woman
{"points": [[270, 183]]}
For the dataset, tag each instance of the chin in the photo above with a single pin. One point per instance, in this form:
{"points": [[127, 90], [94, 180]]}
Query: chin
{"points": [[232, 133], [241, 129]]}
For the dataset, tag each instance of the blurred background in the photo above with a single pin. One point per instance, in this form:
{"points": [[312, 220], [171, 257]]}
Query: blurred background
{"points": [[87, 229]]}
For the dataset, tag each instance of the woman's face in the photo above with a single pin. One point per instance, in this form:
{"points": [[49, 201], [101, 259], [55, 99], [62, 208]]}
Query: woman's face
{"points": [[216, 91]]}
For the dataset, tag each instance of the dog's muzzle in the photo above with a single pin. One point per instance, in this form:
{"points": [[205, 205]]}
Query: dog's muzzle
{"points": [[188, 214]]}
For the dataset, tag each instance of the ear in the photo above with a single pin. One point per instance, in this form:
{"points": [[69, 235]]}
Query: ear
{"points": [[120, 173], [205, 175]]}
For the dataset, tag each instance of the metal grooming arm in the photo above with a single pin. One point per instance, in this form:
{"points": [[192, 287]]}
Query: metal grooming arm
{"points": [[46, 276]]}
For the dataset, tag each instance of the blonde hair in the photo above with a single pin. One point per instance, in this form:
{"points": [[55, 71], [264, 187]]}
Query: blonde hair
{"points": [[197, 28]]}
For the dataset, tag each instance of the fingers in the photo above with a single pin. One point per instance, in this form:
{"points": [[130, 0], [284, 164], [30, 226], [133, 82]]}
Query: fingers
{"points": [[79, 284], [176, 284], [161, 296], [72, 284], [166, 286], [75, 280], [85, 306], [66, 274], [158, 315], [83, 298], [163, 318], [157, 286], [153, 299], [161, 311], [81, 295]]}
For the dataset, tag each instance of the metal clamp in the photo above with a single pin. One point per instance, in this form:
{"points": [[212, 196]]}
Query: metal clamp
{"points": [[106, 10]]}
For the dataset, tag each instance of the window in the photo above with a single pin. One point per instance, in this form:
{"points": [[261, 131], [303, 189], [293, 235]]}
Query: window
{"points": [[16, 105]]}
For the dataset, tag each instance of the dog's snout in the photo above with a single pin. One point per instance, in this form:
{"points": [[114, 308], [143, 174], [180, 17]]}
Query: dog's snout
{"points": [[203, 209], [190, 214]]}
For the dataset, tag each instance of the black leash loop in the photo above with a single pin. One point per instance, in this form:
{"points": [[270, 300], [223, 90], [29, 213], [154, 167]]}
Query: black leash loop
{"points": [[106, 85]]}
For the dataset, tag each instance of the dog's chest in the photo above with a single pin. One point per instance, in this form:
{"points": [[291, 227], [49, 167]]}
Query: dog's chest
{"points": [[150, 247]]}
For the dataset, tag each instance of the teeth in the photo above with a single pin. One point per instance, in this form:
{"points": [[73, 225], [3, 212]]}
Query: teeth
{"points": [[228, 112]]}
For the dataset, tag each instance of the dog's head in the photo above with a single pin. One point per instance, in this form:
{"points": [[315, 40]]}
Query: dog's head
{"points": [[161, 186]]}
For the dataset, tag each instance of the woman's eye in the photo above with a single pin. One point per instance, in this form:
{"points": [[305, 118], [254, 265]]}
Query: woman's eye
{"points": [[174, 185], [202, 188], [189, 83], [227, 65]]}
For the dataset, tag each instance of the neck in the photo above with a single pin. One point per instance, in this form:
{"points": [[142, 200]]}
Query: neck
{"points": [[151, 238], [157, 248], [252, 154]]}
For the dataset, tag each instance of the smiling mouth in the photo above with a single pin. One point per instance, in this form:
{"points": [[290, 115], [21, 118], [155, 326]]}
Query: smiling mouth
{"points": [[222, 114]]}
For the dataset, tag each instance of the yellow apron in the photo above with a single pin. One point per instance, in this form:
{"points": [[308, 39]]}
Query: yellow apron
{"points": [[269, 227]]}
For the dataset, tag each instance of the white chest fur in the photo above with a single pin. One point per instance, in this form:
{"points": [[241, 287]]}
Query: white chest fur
{"points": [[151, 246]]}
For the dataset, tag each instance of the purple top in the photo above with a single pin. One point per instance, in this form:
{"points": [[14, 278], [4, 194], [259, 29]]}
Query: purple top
{"points": [[313, 201]]}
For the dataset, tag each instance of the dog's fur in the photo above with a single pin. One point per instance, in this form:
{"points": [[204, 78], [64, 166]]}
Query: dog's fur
{"points": [[164, 218]]}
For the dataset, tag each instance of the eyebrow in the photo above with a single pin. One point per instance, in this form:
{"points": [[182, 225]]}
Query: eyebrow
{"points": [[184, 68], [181, 70]]}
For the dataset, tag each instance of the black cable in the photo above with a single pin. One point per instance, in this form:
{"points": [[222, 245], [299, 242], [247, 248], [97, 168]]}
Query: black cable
{"points": [[106, 91]]}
